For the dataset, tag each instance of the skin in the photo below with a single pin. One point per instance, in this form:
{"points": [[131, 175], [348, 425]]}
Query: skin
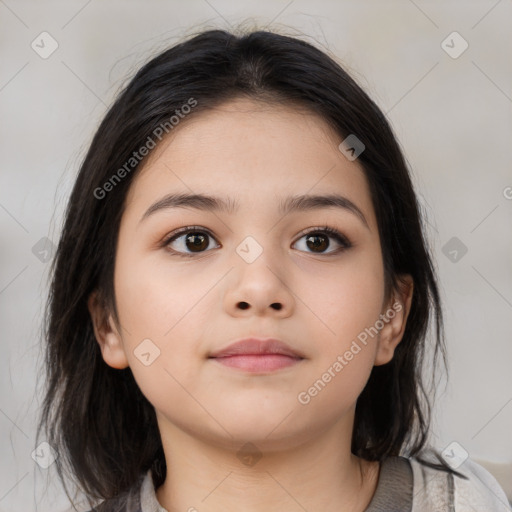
{"points": [[253, 153]]}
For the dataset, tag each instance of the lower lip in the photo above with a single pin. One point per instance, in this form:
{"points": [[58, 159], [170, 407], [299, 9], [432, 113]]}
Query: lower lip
{"points": [[258, 363]]}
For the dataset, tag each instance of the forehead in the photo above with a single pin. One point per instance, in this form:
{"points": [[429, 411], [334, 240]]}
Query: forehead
{"points": [[251, 152]]}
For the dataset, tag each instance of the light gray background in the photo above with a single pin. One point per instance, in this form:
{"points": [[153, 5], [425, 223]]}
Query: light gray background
{"points": [[451, 115]]}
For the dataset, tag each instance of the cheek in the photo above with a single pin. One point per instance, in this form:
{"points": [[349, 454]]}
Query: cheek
{"points": [[163, 305], [150, 298], [144, 301], [345, 297], [158, 312], [347, 302]]}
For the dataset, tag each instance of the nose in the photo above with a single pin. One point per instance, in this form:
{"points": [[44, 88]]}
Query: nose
{"points": [[259, 288]]}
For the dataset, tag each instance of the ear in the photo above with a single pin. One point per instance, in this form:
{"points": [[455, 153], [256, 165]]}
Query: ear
{"points": [[106, 333], [394, 315]]}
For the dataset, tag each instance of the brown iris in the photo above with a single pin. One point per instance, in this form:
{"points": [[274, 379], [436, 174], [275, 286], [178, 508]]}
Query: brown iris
{"points": [[197, 240], [316, 244]]}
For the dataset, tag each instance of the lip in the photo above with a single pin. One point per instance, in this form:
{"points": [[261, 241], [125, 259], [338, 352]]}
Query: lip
{"points": [[257, 347], [262, 363]]}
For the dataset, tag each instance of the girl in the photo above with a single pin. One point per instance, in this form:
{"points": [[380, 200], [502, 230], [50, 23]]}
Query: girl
{"points": [[241, 297]]}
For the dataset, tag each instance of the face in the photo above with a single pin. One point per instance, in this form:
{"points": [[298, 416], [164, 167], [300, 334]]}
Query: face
{"points": [[254, 271]]}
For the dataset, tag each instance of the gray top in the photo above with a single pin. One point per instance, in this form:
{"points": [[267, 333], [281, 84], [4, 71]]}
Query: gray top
{"points": [[425, 489], [394, 489], [393, 492]]}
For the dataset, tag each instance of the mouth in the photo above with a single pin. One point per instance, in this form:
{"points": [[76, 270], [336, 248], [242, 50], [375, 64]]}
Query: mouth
{"points": [[258, 355], [259, 362]]}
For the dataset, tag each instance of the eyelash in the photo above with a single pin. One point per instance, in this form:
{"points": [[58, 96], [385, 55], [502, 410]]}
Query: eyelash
{"points": [[334, 233]]}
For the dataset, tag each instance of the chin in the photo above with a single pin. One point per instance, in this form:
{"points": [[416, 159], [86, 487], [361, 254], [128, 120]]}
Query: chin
{"points": [[270, 434]]}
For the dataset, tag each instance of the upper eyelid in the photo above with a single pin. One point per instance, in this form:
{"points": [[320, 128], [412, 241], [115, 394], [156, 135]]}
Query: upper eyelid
{"points": [[187, 229]]}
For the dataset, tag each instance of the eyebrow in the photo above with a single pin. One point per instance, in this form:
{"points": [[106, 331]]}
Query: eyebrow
{"points": [[209, 203]]}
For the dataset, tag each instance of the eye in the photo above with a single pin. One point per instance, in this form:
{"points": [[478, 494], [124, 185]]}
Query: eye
{"points": [[193, 238], [317, 239]]}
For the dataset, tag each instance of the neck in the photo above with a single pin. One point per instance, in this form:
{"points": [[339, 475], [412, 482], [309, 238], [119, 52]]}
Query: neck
{"points": [[319, 474]]}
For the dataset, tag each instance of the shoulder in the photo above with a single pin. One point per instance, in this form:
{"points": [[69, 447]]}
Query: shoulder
{"points": [[480, 492], [438, 490]]}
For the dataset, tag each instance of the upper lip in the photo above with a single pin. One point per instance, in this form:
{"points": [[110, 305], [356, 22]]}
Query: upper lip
{"points": [[257, 346]]}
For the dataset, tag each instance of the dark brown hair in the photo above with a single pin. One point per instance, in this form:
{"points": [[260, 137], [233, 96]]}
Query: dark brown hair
{"points": [[96, 417]]}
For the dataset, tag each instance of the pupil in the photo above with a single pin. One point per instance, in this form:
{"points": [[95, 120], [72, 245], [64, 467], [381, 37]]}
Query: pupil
{"points": [[198, 241], [316, 244]]}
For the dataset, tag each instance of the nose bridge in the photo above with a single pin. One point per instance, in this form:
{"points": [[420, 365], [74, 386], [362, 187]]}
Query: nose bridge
{"points": [[259, 280], [259, 240], [257, 256]]}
